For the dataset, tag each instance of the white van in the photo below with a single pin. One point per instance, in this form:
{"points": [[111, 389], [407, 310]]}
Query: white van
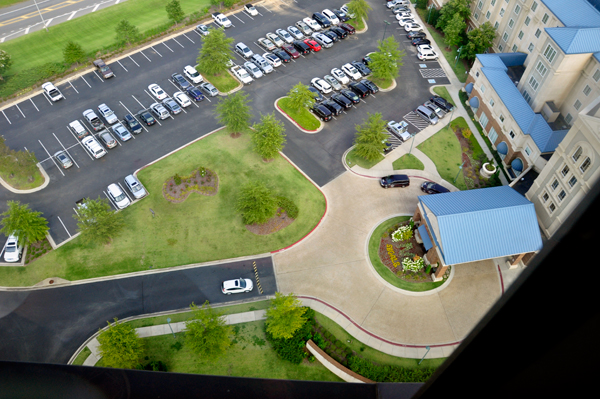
{"points": [[93, 147]]}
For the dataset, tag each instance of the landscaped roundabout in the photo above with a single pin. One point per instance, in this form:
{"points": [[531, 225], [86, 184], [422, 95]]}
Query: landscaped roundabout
{"points": [[397, 256]]}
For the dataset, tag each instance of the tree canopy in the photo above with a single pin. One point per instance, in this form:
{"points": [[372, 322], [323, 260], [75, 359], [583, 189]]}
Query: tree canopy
{"points": [[73, 53], [174, 11], [234, 111], [5, 63], [387, 60], [452, 8], [256, 202], [360, 9], [206, 334], [126, 32], [97, 222], [370, 137], [285, 316], [268, 137], [454, 31], [479, 40], [29, 226], [120, 346], [300, 96], [215, 52]]}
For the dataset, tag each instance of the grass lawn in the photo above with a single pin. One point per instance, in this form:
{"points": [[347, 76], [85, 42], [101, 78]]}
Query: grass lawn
{"points": [[201, 229], [358, 24], [382, 83], [443, 92], [303, 117], [444, 150], [386, 273], [250, 356], [6, 3], [224, 82], [353, 159], [20, 182], [369, 353], [82, 356], [408, 161]]}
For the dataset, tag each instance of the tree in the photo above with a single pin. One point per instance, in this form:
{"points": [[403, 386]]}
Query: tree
{"points": [[215, 52], [370, 137], [285, 316], [206, 334], [97, 222], [387, 60], [454, 31], [360, 9], [73, 53], [29, 226], [216, 3], [233, 111], [5, 63], [228, 3], [256, 203], [126, 32], [174, 11], [450, 9], [268, 137], [299, 96], [478, 40], [120, 346]]}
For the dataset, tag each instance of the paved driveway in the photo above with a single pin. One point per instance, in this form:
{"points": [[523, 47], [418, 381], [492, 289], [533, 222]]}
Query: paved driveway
{"points": [[336, 254]]}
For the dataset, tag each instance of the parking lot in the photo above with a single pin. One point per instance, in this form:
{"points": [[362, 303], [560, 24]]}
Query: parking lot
{"points": [[41, 126]]}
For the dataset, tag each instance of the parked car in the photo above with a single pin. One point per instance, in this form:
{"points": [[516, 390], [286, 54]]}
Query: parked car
{"points": [[243, 50], [404, 21], [304, 28], [412, 35], [366, 60], [295, 32], [332, 106], [321, 20], [331, 16], [430, 187], [52, 92], [160, 111], [93, 147], [399, 129], [342, 34], [288, 48], [13, 250], [249, 8], [108, 114], [132, 124], [316, 93], [348, 28], [404, 14], [236, 286], [266, 44], [333, 82], [135, 187], [104, 69], [321, 85], [242, 75], [78, 129], [121, 132], [360, 89], [362, 68], [202, 29], [321, 112], [425, 54], [275, 39], [312, 24], [171, 105], [302, 47], [426, 114], [221, 20], [63, 159], [272, 59], [107, 139], [435, 108], [253, 70], [192, 74], [260, 62], [395, 181], [417, 41], [352, 72], [312, 44], [411, 27], [341, 100], [340, 76], [442, 103], [118, 196], [195, 94], [350, 95], [146, 117], [331, 35], [157, 91], [93, 120], [283, 56], [323, 40], [285, 36], [180, 81], [209, 89], [400, 8], [182, 99], [345, 9], [370, 85], [342, 16]]}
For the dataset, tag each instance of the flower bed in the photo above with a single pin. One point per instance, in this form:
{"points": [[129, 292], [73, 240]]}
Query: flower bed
{"points": [[37, 249], [203, 181]]}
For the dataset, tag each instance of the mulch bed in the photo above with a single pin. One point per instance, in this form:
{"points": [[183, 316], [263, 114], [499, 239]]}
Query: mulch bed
{"points": [[280, 221], [205, 185], [401, 251], [37, 249], [471, 166]]}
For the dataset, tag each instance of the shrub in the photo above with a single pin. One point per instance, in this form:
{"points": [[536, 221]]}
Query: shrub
{"points": [[412, 265], [292, 349], [177, 179], [288, 206], [155, 365], [402, 234], [385, 373], [466, 132], [319, 341]]}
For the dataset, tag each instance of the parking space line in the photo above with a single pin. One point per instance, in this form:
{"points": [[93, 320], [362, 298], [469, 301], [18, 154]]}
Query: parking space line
{"points": [[86, 82], [109, 199], [73, 87], [122, 66], [52, 158], [17, 105], [248, 15], [151, 96], [266, 9], [95, 73], [67, 151], [152, 47], [165, 44], [38, 110], [373, 96], [238, 18], [156, 119], [47, 99], [79, 142], [363, 101], [142, 53], [132, 114], [63, 225], [189, 38], [125, 191], [134, 61], [9, 122], [175, 40]]}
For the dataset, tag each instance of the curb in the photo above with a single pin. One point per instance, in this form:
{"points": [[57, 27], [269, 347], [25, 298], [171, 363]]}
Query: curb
{"points": [[289, 118], [31, 190]]}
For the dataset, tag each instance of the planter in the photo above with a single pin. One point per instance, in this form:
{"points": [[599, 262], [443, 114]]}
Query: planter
{"points": [[485, 172]]}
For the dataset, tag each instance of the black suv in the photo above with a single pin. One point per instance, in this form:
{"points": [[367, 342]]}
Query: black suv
{"points": [[412, 35], [442, 103], [362, 68], [342, 100], [146, 117], [342, 16], [321, 20], [332, 35], [334, 107], [395, 181], [283, 56], [360, 89], [132, 124], [430, 187], [301, 47], [417, 41], [321, 112], [350, 95], [342, 34], [370, 85]]}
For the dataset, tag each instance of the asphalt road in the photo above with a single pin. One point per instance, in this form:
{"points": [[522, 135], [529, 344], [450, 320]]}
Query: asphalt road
{"points": [[48, 325]]}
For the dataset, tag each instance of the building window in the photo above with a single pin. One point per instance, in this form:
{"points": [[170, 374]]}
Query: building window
{"points": [[493, 3], [569, 118], [550, 53], [511, 23], [501, 12], [554, 185], [573, 181], [545, 18], [500, 47], [534, 6], [585, 165], [565, 171], [492, 135], [527, 21], [505, 36], [552, 207], [492, 102], [480, 5], [517, 9], [533, 83], [483, 120], [482, 89], [541, 68], [514, 48], [496, 25], [530, 48], [501, 118], [577, 105], [476, 16], [526, 96], [520, 35], [538, 33], [511, 134], [545, 198], [487, 15], [528, 151], [586, 90], [562, 195], [596, 76], [477, 74], [577, 154]]}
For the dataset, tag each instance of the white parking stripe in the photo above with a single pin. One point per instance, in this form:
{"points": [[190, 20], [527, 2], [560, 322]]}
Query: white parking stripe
{"points": [[189, 38], [67, 151], [95, 73], [73, 87], [132, 114], [248, 15], [152, 47], [6, 117], [34, 104], [168, 47], [142, 53], [125, 191], [52, 158], [86, 82], [122, 66], [111, 201], [151, 96], [156, 119], [134, 61], [238, 19], [17, 105], [84, 150], [266, 9], [47, 99], [175, 40], [63, 225]]}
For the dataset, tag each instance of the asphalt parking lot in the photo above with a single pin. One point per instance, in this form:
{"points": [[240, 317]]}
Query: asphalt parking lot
{"points": [[41, 126]]}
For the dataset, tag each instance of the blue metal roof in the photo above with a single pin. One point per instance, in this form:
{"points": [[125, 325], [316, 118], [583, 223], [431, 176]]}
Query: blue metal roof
{"points": [[576, 40], [474, 102], [425, 237], [502, 148], [491, 61], [482, 224], [574, 12]]}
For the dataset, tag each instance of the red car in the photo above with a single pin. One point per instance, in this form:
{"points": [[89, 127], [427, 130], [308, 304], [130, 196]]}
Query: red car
{"points": [[348, 28], [291, 50], [314, 46]]}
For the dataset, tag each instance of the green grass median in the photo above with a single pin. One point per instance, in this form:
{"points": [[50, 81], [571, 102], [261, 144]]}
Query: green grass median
{"points": [[302, 117], [408, 161]]}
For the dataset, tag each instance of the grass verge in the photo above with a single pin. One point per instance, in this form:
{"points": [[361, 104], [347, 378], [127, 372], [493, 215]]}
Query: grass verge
{"points": [[443, 148], [223, 82], [302, 117], [383, 83], [382, 269], [443, 92], [359, 25], [408, 161], [201, 229], [6, 3], [21, 182], [82, 356], [353, 159]]}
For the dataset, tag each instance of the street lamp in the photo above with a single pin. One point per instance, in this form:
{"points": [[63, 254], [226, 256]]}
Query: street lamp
{"points": [[458, 55], [412, 142], [169, 322], [39, 12], [459, 169], [429, 15], [424, 355], [385, 28]]}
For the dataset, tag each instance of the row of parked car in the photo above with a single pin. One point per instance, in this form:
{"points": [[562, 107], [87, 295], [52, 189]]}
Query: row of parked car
{"points": [[434, 109], [414, 30]]}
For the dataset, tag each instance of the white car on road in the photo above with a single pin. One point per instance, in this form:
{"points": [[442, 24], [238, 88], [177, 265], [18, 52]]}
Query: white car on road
{"points": [[236, 286], [157, 92]]}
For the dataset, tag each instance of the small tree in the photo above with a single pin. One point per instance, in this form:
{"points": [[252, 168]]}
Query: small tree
{"points": [[97, 222], [299, 96], [5, 63], [256, 203], [387, 60], [215, 52], [454, 31], [360, 9], [233, 111], [228, 3], [285, 316], [370, 137], [120, 346], [73, 53], [174, 11], [268, 137], [206, 334], [29, 226], [478, 40], [216, 3], [126, 32], [452, 8]]}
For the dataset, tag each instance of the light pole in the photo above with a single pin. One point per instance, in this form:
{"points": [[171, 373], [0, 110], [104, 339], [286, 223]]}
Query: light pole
{"points": [[424, 355], [451, 115], [169, 322], [459, 169], [39, 12], [457, 56], [386, 22], [412, 142], [429, 15]]}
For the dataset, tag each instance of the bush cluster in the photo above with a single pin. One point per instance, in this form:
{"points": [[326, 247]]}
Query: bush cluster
{"points": [[288, 206], [155, 365], [380, 373], [293, 349]]}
